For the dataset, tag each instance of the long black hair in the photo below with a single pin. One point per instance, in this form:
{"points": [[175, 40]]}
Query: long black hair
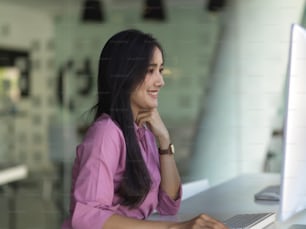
{"points": [[124, 61]]}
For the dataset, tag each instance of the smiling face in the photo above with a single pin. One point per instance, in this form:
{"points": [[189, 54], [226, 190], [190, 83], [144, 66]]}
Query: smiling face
{"points": [[145, 95]]}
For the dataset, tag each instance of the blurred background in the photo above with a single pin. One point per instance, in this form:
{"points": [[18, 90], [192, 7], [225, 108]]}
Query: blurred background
{"points": [[226, 63]]}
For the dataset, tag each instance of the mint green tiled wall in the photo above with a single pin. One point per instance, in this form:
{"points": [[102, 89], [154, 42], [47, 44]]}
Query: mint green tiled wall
{"points": [[188, 37]]}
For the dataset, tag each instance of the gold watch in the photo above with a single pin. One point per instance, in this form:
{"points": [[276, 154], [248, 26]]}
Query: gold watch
{"points": [[169, 151]]}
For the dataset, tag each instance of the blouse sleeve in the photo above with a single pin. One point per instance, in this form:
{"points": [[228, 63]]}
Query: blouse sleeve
{"points": [[98, 158], [166, 205]]}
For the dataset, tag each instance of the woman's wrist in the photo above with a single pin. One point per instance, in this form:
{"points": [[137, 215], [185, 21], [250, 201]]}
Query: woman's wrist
{"points": [[164, 140], [164, 143]]}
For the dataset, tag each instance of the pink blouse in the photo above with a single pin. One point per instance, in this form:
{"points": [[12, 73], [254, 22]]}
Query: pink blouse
{"points": [[97, 171]]}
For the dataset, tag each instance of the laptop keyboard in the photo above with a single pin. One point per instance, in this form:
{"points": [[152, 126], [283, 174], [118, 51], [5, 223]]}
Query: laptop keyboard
{"points": [[245, 220]]}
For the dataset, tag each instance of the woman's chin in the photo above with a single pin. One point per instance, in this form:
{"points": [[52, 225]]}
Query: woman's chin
{"points": [[153, 106]]}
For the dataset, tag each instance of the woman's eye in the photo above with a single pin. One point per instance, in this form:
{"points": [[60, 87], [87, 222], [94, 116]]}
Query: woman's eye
{"points": [[161, 70], [150, 71]]}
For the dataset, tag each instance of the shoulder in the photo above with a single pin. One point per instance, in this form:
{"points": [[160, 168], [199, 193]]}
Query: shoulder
{"points": [[103, 141], [104, 136]]}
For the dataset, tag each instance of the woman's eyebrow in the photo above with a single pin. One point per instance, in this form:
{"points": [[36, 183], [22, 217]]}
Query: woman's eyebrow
{"points": [[155, 65]]}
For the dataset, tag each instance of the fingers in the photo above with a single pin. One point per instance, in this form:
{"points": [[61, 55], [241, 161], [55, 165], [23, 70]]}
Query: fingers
{"points": [[155, 124], [146, 116], [202, 221], [205, 221], [143, 117]]}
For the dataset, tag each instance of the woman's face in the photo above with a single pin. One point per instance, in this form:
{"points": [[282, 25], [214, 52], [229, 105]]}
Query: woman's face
{"points": [[145, 95]]}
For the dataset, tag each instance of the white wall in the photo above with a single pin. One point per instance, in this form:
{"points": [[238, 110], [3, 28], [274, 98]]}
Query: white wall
{"points": [[27, 135], [248, 81]]}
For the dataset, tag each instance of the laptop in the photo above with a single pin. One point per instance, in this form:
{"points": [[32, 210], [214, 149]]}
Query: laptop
{"points": [[251, 221]]}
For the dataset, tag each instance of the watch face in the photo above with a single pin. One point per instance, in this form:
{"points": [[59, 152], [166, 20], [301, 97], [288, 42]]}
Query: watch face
{"points": [[172, 150]]}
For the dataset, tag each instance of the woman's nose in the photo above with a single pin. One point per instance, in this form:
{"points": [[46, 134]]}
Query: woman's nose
{"points": [[160, 80]]}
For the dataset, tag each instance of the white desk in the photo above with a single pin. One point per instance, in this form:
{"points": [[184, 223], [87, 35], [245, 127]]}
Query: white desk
{"points": [[12, 173], [233, 197]]}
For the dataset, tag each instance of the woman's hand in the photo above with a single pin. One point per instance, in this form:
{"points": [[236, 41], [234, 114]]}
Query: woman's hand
{"points": [[201, 221], [156, 125]]}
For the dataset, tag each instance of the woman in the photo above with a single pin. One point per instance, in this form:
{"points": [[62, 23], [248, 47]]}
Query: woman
{"points": [[119, 175]]}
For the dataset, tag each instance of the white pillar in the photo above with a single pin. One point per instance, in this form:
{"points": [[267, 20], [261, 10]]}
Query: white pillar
{"points": [[247, 81]]}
